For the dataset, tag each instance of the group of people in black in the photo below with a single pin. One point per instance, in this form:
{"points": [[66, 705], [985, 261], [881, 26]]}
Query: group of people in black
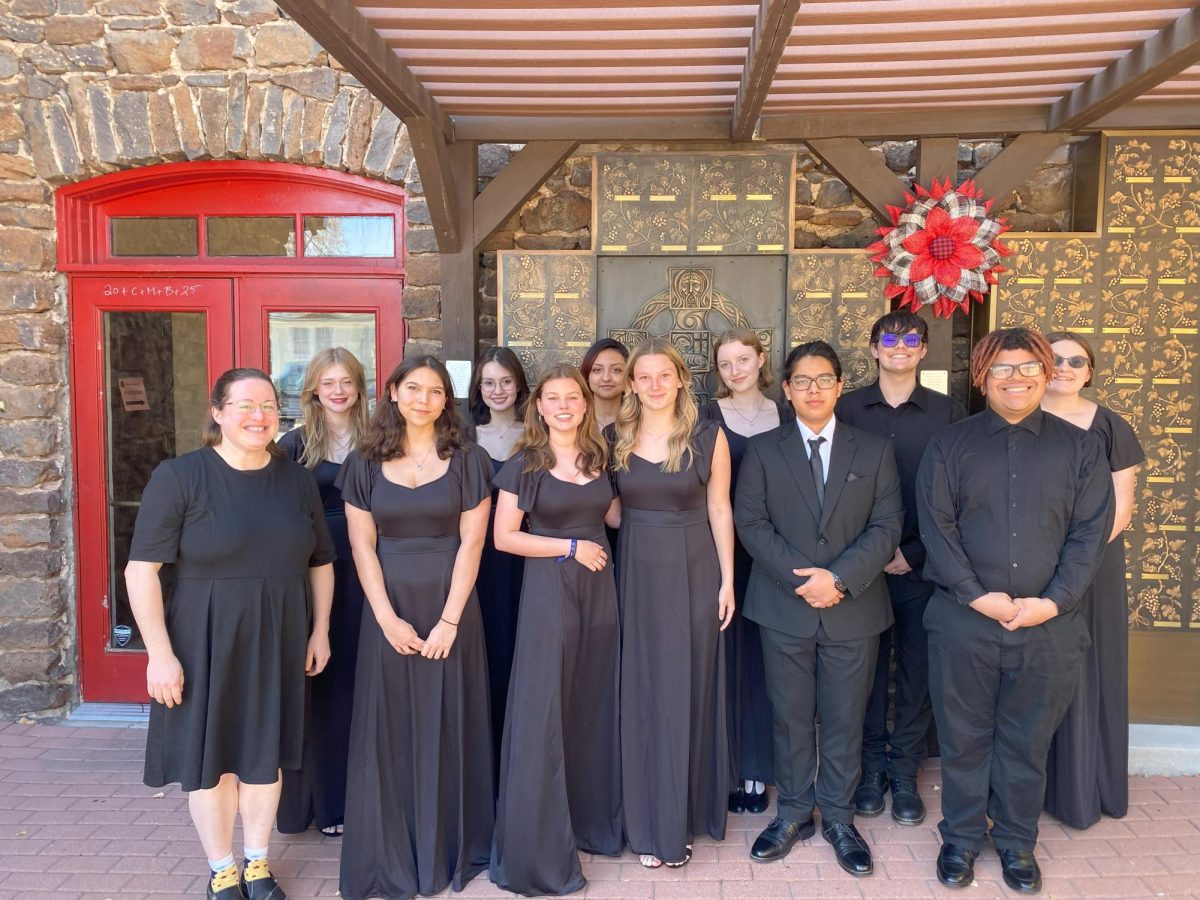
{"points": [[602, 616]]}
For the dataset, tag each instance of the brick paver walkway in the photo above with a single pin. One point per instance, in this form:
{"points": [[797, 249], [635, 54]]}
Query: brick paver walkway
{"points": [[76, 822]]}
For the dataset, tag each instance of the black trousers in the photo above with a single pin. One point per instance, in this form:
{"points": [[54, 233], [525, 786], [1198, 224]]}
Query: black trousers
{"points": [[913, 712], [809, 678], [998, 697]]}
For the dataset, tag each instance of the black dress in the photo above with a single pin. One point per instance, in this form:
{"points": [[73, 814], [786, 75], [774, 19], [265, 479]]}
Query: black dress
{"points": [[560, 775], [317, 790], [1087, 772], [499, 590], [419, 809], [674, 729], [749, 708], [242, 543]]}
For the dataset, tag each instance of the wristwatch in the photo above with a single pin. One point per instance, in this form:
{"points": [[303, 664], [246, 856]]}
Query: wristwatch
{"points": [[839, 584]]}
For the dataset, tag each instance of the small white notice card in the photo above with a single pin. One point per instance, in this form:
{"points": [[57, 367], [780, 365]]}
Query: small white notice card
{"points": [[936, 380], [460, 374]]}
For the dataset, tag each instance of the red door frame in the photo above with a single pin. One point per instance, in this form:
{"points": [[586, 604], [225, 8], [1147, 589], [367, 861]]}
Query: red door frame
{"points": [[236, 327], [104, 671]]}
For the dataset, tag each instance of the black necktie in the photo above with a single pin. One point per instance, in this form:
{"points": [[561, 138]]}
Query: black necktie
{"points": [[818, 471]]}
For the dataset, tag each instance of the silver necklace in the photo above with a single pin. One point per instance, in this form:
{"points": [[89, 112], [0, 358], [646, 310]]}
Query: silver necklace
{"points": [[421, 464], [749, 420]]}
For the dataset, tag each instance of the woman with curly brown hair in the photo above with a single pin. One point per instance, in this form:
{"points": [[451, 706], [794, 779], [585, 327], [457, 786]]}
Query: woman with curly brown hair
{"points": [[560, 774], [419, 796], [676, 549]]}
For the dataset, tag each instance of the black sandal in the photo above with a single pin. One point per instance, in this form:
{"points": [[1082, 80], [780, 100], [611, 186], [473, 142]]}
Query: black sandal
{"points": [[687, 858]]}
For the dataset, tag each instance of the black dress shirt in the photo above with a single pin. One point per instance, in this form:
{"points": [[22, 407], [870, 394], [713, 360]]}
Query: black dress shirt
{"points": [[909, 426], [1024, 509]]}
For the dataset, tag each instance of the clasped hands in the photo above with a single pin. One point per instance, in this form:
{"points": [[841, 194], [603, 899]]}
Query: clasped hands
{"points": [[1014, 613], [819, 591], [405, 640]]}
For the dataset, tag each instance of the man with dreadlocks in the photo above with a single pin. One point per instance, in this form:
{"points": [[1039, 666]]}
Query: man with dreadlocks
{"points": [[1015, 506]]}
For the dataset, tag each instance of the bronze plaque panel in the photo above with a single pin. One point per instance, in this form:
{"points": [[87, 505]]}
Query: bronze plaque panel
{"points": [[547, 307], [679, 203], [691, 301], [1133, 291], [834, 296]]}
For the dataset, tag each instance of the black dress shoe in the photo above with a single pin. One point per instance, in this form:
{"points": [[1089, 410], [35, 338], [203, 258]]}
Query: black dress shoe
{"points": [[757, 802], [868, 799], [907, 808], [778, 838], [737, 801], [1021, 871], [852, 851], [956, 866]]}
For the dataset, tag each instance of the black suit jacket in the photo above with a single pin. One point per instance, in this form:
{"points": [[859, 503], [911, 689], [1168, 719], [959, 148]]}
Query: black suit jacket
{"points": [[783, 528]]}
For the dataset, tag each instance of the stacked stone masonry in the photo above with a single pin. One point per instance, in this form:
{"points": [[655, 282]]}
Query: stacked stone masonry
{"points": [[89, 87]]}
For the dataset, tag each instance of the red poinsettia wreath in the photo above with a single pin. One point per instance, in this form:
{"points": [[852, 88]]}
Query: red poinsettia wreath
{"points": [[941, 249]]}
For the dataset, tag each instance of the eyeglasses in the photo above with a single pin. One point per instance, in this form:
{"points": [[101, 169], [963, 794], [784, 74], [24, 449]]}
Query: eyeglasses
{"points": [[1075, 362], [911, 341], [246, 408], [1000, 371], [803, 382], [504, 384]]}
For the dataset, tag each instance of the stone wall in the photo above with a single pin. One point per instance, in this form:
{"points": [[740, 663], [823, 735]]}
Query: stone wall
{"points": [[95, 86]]}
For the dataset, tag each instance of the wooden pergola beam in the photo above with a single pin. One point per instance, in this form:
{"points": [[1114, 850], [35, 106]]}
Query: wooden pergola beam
{"points": [[460, 266], [903, 124], [515, 184], [1016, 162], [354, 42], [937, 157], [440, 182], [772, 29], [1162, 56], [863, 171]]}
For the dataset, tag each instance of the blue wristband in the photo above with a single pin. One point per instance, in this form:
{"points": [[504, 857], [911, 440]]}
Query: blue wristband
{"points": [[571, 552]]}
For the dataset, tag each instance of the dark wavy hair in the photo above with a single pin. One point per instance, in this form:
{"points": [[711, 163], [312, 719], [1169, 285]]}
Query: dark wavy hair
{"points": [[481, 414], [589, 358], [220, 396], [385, 435]]}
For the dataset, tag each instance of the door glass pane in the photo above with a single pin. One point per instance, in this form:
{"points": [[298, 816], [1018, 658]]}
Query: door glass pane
{"points": [[297, 336], [372, 236], [251, 236], [154, 236], [157, 382]]}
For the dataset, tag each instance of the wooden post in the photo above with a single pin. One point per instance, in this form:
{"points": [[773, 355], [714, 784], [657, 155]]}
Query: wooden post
{"points": [[460, 268]]}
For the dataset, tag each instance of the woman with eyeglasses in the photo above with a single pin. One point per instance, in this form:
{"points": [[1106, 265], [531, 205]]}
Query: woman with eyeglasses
{"points": [[560, 772], [419, 809], [676, 590], [333, 400], [742, 410], [496, 398], [248, 618], [1087, 772]]}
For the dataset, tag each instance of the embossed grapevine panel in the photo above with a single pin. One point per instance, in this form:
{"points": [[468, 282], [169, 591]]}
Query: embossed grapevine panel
{"points": [[547, 307]]}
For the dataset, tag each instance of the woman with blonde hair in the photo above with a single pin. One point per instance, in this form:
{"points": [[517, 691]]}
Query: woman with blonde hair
{"points": [[676, 548], [333, 399], [560, 775], [742, 410]]}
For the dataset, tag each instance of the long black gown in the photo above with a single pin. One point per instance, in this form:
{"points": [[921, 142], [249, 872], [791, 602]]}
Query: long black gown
{"points": [[242, 543], [316, 792], [499, 590], [674, 727], [560, 775], [419, 810], [749, 708], [1087, 772]]}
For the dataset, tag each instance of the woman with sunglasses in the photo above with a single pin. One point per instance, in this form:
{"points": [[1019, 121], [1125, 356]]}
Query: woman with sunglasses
{"points": [[676, 590], [1087, 772], [247, 619], [496, 399]]}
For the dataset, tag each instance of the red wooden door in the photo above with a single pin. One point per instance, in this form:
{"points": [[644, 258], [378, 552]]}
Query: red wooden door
{"points": [[144, 353]]}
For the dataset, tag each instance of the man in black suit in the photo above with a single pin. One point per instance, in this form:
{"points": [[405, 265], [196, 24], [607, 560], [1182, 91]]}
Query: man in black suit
{"points": [[818, 508]]}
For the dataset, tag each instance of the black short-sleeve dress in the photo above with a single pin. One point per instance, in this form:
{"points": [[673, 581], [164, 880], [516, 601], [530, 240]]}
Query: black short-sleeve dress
{"points": [[674, 732], [316, 792], [1087, 772], [419, 809], [242, 543], [749, 708], [560, 775]]}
